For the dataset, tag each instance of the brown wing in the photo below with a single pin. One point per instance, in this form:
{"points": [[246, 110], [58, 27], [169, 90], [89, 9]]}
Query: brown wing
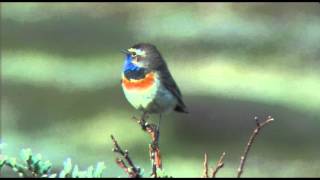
{"points": [[171, 85]]}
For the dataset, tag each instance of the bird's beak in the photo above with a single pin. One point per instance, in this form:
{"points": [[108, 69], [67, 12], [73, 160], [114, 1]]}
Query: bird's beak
{"points": [[125, 51]]}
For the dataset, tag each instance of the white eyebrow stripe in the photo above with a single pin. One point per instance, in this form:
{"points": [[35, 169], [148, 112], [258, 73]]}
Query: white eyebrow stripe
{"points": [[137, 51]]}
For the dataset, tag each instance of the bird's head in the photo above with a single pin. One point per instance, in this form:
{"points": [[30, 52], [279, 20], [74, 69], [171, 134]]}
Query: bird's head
{"points": [[142, 55]]}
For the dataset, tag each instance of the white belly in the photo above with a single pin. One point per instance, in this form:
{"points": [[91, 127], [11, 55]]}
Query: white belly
{"points": [[155, 99]]}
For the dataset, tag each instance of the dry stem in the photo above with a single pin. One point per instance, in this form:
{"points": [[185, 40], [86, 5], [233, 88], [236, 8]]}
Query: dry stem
{"points": [[219, 165], [253, 136], [154, 150], [205, 166], [132, 170]]}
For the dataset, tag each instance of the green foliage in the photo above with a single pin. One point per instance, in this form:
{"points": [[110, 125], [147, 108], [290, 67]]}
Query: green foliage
{"points": [[37, 167], [74, 172], [162, 174]]}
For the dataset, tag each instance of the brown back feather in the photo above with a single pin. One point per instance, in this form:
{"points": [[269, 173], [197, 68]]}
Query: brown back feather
{"points": [[171, 85]]}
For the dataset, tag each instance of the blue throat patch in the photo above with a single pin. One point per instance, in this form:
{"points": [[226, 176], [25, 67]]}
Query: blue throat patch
{"points": [[132, 71]]}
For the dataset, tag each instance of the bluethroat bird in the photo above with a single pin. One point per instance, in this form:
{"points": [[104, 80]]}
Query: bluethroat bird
{"points": [[147, 82]]}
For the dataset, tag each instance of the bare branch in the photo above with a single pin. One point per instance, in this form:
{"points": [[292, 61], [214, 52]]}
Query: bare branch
{"points": [[122, 165], [132, 170], [205, 166], [154, 150], [219, 165], [253, 136]]}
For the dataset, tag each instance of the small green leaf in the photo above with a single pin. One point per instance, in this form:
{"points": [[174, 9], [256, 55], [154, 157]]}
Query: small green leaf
{"points": [[44, 166], [75, 171], [161, 173], [99, 169], [62, 174], [12, 161], [67, 166], [3, 159], [36, 158], [25, 154], [90, 172]]}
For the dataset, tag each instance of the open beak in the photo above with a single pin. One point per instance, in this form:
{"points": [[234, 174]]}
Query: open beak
{"points": [[125, 51]]}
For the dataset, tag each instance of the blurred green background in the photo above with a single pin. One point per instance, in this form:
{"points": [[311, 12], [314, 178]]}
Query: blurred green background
{"points": [[61, 96]]}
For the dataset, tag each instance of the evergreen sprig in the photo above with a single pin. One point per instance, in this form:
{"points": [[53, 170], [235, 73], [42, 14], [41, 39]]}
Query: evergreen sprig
{"points": [[34, 166]]}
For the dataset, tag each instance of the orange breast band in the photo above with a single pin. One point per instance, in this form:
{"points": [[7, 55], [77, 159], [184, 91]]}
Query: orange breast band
{"points": [[144, 83]]}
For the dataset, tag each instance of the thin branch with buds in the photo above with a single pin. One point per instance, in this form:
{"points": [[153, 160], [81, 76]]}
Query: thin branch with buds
{"points": [[253, 136], [215, 170], [132, 170], [154, 150], [219, 165]]}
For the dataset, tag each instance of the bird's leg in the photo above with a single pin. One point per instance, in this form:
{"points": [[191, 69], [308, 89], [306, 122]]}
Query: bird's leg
{"points": [[154, 131], [142, 121]]}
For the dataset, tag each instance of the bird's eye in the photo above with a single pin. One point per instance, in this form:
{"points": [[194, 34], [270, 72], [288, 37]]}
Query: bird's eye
{"points": [[134, 53]]}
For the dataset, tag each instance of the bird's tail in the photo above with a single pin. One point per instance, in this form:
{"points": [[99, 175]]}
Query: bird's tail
{"points": [[181, 108]]}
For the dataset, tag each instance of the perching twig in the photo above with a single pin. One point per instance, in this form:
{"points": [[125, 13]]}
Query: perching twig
{"points": [[154, 150], [205, 166], [132, 170], [219, 165], [251, 141]]}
